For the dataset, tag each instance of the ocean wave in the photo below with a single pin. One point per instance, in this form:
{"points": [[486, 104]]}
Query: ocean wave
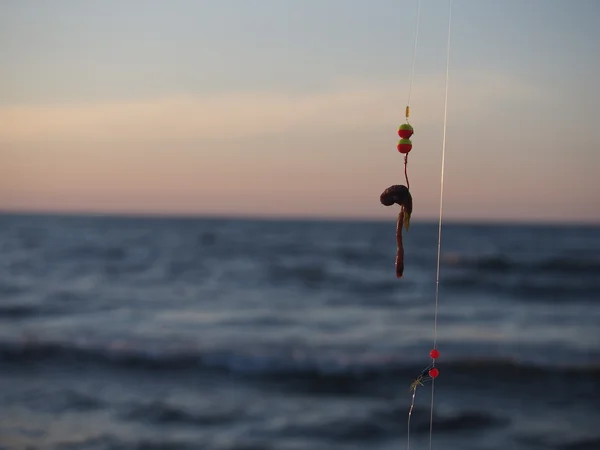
{"points": [[531, 288], [481, 263], [319, 275], [287, 365], [463, 421], [18, 311], [445, 422], [378, 423], [162, 413], [57, 401], [9, 289], [112, 442], [582, 444], [503, 264]]}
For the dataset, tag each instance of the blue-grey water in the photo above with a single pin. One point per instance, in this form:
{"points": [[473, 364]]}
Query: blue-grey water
{"points": [[138, 333]]}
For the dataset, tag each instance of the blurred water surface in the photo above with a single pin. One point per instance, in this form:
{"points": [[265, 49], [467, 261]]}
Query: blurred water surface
{"points": [[136, 333]]}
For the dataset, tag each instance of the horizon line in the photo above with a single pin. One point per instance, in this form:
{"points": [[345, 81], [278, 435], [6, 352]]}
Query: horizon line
{"points": [[288, 218]]}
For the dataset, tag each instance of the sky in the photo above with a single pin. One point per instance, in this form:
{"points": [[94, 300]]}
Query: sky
{"points": [[290, 108]]}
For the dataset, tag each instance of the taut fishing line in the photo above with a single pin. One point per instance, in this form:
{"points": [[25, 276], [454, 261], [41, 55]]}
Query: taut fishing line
{"points": [[400, 194]]}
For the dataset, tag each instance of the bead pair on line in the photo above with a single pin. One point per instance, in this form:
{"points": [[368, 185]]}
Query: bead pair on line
{"points": [[429, 373]]}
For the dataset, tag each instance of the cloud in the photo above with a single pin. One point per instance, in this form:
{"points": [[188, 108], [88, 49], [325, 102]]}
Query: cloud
{"points": [[352, 106]]}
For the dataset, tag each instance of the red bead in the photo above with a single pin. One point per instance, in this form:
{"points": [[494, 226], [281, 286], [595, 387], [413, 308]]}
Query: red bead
{"points": [[404, 146], [434, 354], [433, 373], [405, 131]]}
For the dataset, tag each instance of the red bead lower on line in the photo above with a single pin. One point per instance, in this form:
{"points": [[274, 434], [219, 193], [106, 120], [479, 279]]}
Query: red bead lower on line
{"points": [[404, 146]]}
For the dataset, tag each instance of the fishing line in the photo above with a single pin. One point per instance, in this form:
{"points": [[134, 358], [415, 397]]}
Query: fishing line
{"points": [[414, 55], [400, 195], [430, 373], [437, 277], [407, 114], [411, 83]]}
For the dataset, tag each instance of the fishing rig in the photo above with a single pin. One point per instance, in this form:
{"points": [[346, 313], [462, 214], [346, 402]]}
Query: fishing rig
{"points": [[400, 194]]}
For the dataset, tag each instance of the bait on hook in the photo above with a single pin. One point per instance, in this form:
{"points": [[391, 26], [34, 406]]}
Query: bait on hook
{"points": [[399, 194]]}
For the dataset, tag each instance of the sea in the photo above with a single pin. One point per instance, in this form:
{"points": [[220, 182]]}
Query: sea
{"points": [[243, 334]]}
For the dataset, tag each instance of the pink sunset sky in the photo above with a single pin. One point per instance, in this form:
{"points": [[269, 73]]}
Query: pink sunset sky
{"points": [[291, 108]]}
